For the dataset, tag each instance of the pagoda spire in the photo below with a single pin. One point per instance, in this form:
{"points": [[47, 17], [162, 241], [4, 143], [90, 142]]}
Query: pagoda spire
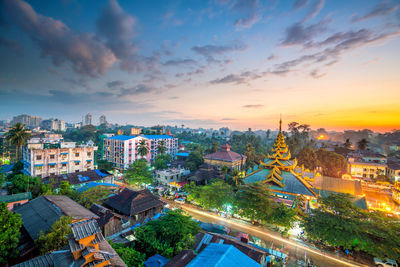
{"points": [[280, 123]]}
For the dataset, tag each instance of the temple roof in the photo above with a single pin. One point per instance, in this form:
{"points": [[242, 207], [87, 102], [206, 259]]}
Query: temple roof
{"points": [[225, 154], [280, 171]]}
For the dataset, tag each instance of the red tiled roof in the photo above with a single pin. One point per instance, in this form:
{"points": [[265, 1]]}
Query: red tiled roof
{"points": [[225, 155]]}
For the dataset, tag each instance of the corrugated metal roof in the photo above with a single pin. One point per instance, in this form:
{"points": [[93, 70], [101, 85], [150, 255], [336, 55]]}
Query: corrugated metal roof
{"points": [[162, 136], [122, 137], [16, 197], [84, 229], [220, 255]]}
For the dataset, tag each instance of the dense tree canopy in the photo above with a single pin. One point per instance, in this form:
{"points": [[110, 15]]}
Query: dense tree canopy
{"points": [[24, 183], [337, 222], [332, 164], [166, 236], [162, 161], [129, 255], [55, 239], [10, 224], [194, 160], [138, 173], [308, 158]]}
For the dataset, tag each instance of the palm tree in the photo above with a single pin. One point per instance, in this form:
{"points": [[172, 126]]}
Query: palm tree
{"points": [[17, 136], [143, 148], [362, 144], [161, 147]]}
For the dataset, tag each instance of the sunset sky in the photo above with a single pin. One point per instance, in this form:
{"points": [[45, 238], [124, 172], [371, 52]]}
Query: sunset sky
{"points": [[206, 63]]}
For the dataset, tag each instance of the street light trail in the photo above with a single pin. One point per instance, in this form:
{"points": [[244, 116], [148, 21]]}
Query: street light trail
{"points": [[270, 236]]}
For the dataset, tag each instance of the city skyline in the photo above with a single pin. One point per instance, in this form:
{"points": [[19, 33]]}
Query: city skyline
{"points": [[222, 63]]}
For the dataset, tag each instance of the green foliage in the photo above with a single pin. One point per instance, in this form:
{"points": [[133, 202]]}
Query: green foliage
{"points": [[283, 216], [162, 161], [17, 137], [254, 201], [143, 148], [138, 173], [104, 165], [362, 144], [215, 195], [332, 163], [299, 137], [252, 157], [337, 222], [92, 195], [55, 239], [308, 158], [130, 256], [10, 223], [16, 169], [194, 160], [166, 236], [161, 149], [24, 183], [84, 134]]}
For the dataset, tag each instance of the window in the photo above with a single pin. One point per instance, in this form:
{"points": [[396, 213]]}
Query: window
{"points": [[76, 163], [38, 157], [52, 166], [76, 170], [89, 154], [52, 156], [371, 176], [76, 154], [64, 165]]}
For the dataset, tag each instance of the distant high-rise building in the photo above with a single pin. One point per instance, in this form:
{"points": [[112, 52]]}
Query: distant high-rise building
{"points": [[88, 119], [102, 120], [54, 125], [27, 120]]}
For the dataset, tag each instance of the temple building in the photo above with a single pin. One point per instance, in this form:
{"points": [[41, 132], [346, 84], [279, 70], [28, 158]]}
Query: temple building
{"points": [[226, 157], [288, 181]]}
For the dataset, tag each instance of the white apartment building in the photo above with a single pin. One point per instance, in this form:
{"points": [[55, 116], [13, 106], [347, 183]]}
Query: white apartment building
{"points": [[168, 176], [122, 150], [48, 159]]}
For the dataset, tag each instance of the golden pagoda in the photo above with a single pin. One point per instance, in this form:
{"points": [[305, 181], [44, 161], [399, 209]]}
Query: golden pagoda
{"points": [[280, 171]]}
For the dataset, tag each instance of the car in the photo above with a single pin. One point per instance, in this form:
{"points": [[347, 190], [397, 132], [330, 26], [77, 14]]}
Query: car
{"points": [[386, 263], [180, 200]]}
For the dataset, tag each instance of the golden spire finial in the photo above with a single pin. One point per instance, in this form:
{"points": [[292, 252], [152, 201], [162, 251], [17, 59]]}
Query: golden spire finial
{"points": [[280, 123]]}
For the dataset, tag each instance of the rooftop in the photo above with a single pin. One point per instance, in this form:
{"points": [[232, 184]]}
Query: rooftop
{"points": [[338, 185], [129, 202], [16, 197], [225, 154], [122, 137], [77, 177], [220, 255]]}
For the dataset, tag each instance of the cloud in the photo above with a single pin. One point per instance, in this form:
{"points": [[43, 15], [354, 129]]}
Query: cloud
{"points": [[136, 90], [298, 34], [86, 53], [299, 4], [198, 71], [316, 75], [253, 106], [179, 62], [173, 97], [228, 119], [241, 78], [250, 9], [339, 44], [211, 51], [231, 78], [115, 84], [315, 9], [11, 44], [180, 74], [382, 9]]}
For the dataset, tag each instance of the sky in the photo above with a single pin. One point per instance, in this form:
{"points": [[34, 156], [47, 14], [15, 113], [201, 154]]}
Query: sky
{"points": [[207, 63]]}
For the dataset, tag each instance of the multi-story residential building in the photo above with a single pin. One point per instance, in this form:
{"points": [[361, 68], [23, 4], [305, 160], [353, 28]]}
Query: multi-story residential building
{"points": [[48, 159], [366, 164], [393, 169], [136, 131], [27, 120], [122, 150], [88, 119]]}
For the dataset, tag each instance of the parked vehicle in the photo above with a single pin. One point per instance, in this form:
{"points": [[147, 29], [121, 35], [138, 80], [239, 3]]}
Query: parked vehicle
{"points": [[386, 263], [180, 200]]}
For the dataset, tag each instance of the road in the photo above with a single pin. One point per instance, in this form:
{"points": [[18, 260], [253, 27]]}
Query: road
{"points": [[295, 249]]}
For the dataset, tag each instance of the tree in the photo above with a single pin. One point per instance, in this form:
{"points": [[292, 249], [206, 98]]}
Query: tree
{"points": [[104, 165], [338, 222], [92, 195], [308, 158], [130, 256], [254, 201], [17, 137], [347, 144], [214, 147], [362, 144], [216, 195], [138, 173], [332, 164], [283, 216], [10, 224], [166, 236], [56, 238], [162, 161], [24, 183], [161, 147], [143, 148], [194, 160]]}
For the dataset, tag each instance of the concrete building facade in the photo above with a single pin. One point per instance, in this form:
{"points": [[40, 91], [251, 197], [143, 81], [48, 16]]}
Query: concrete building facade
{"points": [[46, 159]]}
